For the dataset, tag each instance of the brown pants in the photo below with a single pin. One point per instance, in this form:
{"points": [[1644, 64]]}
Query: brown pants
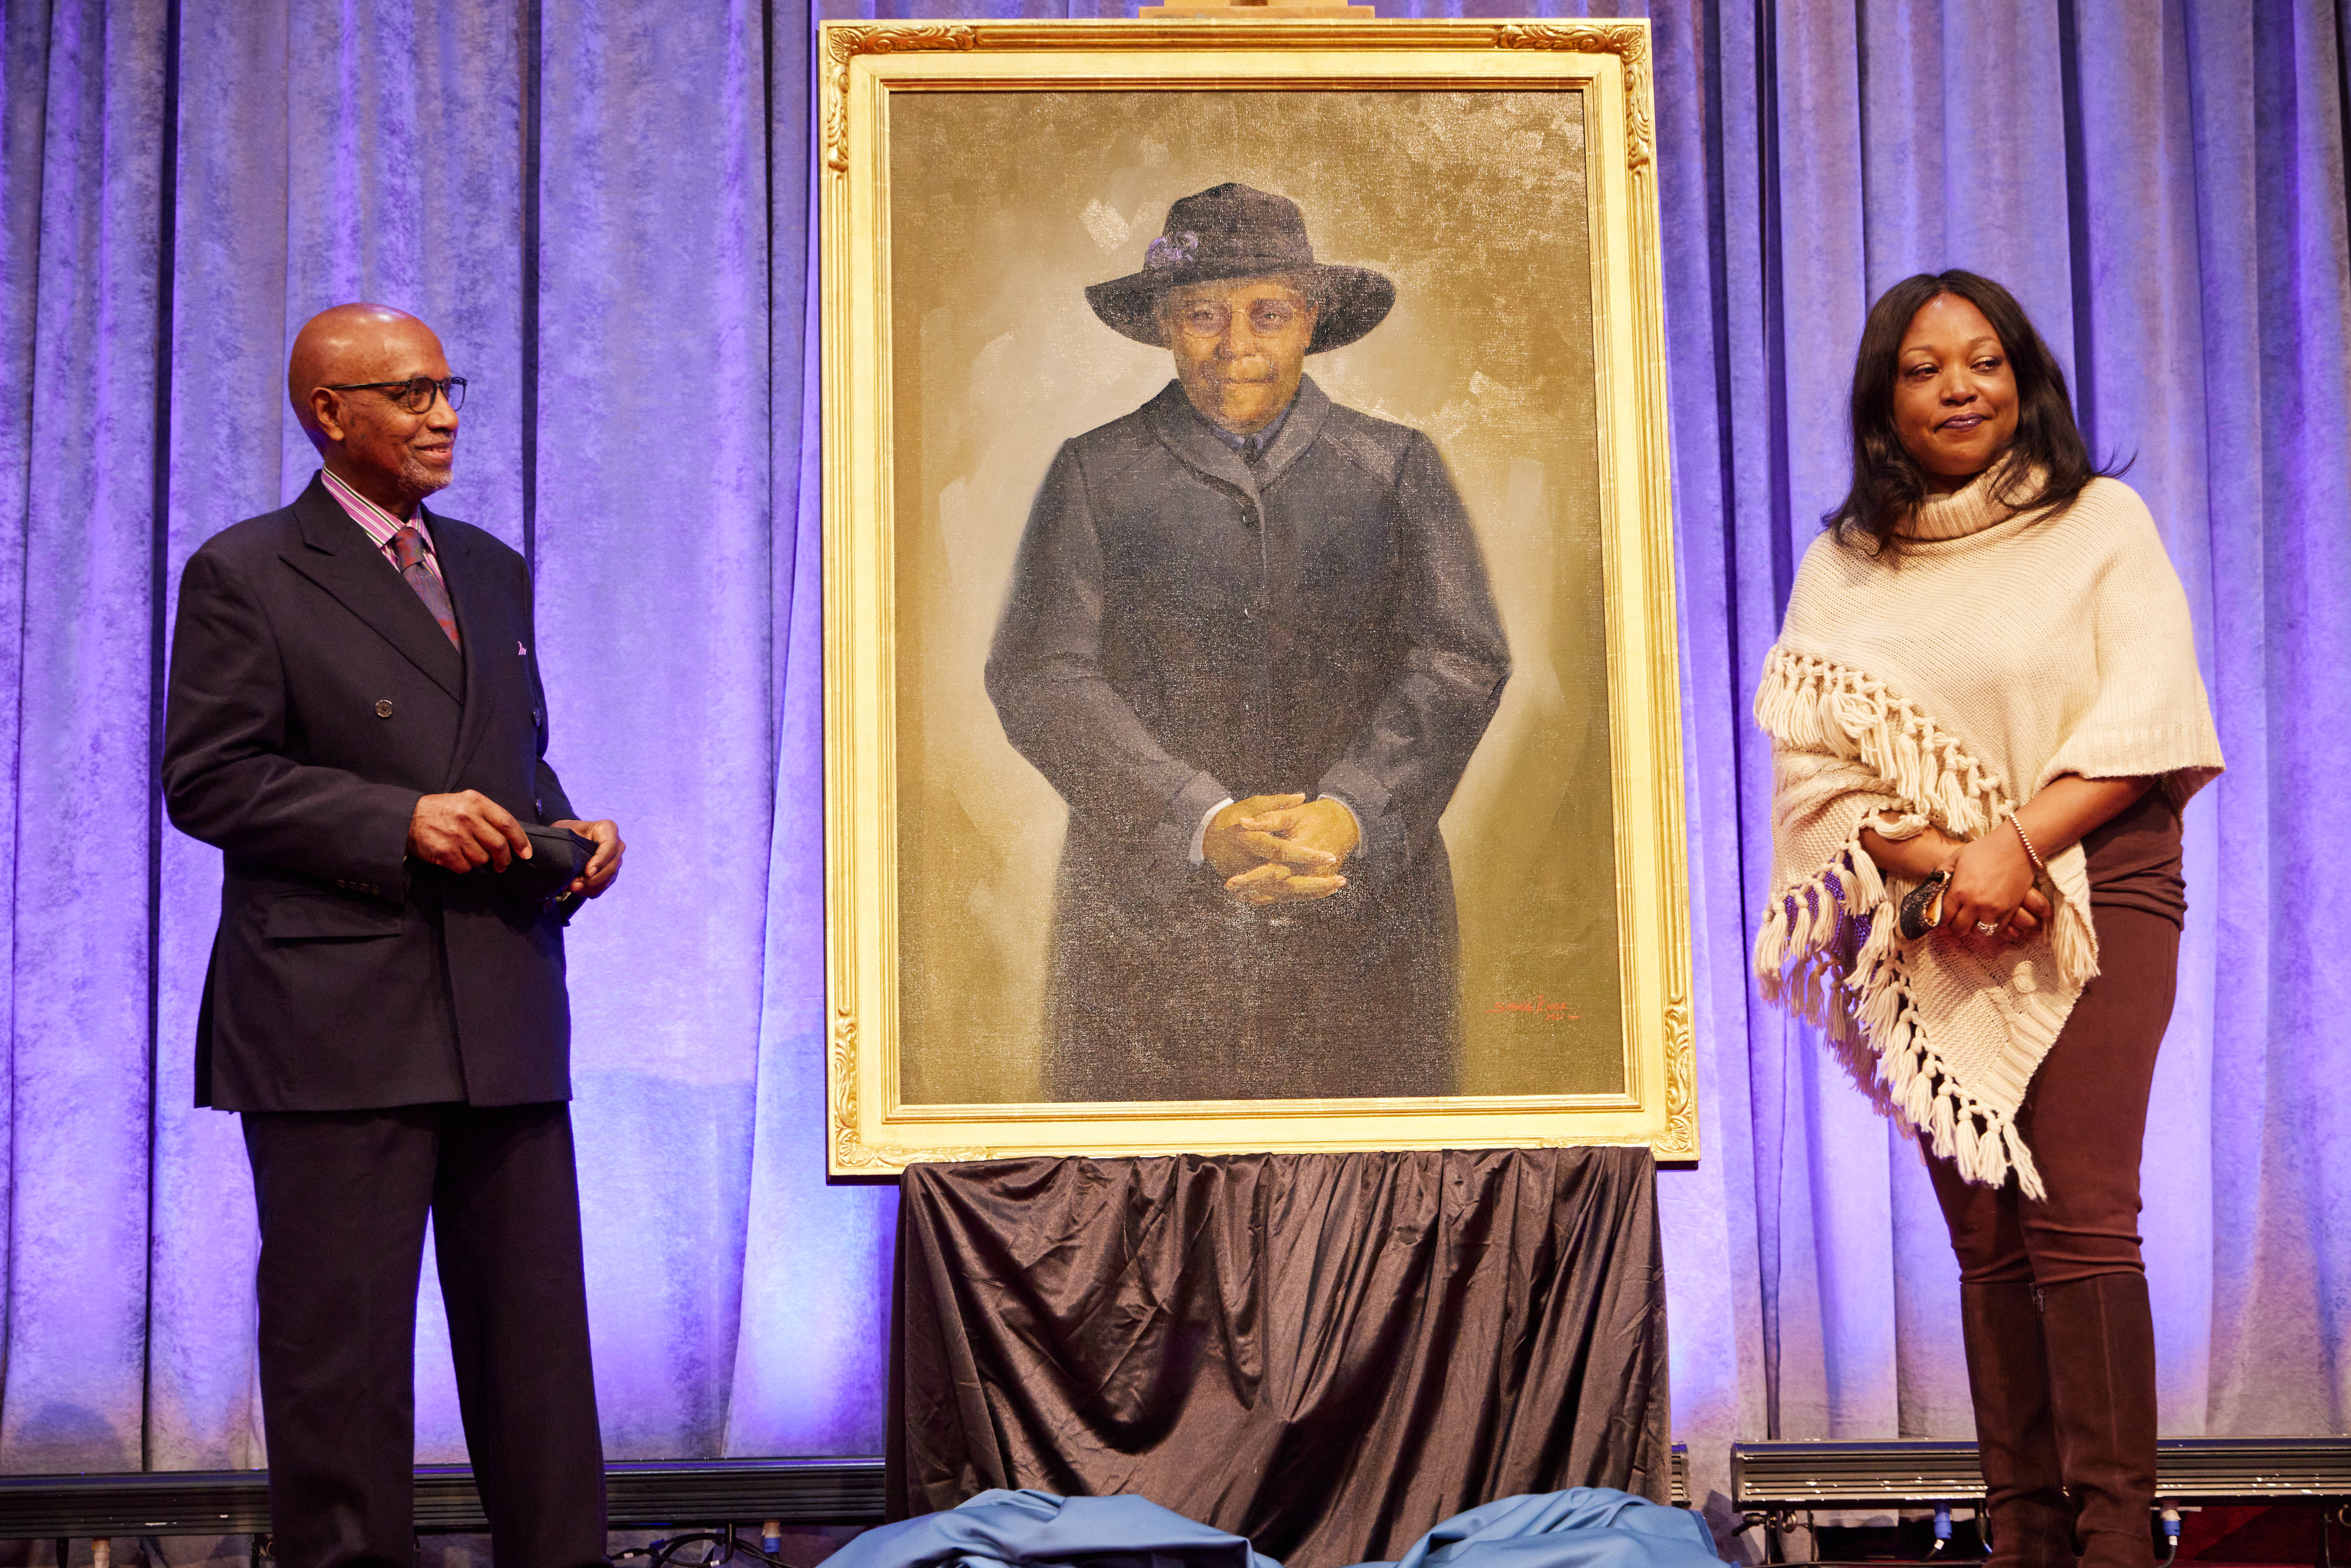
{"points": [[2084, 1118]]}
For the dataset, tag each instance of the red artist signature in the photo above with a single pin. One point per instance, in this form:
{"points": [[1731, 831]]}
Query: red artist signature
{"points": [[1543, 1006]]}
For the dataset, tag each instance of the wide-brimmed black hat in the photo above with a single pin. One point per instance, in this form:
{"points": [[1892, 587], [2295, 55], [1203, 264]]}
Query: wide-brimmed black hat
{"points": [[1233, 231]]}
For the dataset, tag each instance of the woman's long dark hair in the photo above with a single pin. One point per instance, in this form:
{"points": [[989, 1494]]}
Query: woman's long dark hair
{"points": [[1887, 483]]}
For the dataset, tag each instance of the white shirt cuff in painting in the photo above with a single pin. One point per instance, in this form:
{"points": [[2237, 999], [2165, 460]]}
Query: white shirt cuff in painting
{"points": [[1200, 834], [1352, 815]]}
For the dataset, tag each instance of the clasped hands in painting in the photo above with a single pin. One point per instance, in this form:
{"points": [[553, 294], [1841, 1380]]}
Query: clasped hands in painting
{"points": [[1280, 849]]}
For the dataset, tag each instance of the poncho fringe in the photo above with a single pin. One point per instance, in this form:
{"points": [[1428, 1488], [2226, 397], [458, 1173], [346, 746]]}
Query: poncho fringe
{"points": [[1867, 1007]]}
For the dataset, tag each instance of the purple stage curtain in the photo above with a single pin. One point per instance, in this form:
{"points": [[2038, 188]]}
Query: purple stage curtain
{"points": [[604, 211], [606, 207]]}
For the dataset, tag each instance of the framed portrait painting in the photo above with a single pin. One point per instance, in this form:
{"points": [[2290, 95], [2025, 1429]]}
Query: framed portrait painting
{"points": [[1251, 658]]}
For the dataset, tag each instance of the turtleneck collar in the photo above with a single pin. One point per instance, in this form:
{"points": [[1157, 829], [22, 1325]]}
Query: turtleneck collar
{"points": [[1974, 508]]}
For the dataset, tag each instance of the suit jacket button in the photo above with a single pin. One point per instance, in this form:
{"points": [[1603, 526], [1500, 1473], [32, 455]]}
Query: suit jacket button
{"points": [[383, 707]]}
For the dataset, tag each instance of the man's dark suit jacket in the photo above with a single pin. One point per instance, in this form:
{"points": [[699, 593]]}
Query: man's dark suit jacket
{"points": [[313, 700], [1183, 628]]}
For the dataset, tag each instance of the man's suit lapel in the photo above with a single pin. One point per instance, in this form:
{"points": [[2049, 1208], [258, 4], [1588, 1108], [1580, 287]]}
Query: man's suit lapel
{"points": [[339, 557], [480, 628]]}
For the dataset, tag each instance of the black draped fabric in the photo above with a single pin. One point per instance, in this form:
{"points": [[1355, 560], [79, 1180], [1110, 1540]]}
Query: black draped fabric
{"points": [[1327, 1354]]}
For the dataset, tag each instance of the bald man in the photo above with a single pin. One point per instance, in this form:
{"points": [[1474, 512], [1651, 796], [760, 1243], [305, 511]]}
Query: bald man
{"points": [[356, 721]]}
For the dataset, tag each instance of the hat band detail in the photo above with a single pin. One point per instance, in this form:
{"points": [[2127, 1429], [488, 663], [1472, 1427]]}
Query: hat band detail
{"points": [[1170, 252]]}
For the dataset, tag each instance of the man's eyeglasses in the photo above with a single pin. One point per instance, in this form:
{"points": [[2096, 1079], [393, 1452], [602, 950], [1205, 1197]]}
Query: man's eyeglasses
{"points": [[414, 394]]}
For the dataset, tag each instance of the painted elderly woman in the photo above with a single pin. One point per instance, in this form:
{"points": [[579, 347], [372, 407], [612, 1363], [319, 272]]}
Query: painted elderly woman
{"points": [[1249, 639]]}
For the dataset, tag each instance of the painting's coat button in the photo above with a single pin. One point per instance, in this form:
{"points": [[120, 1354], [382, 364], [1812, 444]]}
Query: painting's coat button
{"points": [[383, 707]]}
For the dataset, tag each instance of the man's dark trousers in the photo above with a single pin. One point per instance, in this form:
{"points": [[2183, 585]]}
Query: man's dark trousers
{"points": [[343, 1197]]}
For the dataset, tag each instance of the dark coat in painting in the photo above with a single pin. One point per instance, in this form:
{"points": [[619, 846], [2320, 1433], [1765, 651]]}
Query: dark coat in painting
{"points": [[1183, 628]]}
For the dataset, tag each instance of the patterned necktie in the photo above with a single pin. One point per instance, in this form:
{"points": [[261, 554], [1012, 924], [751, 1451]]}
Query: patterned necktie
{"points": [[408, 548]]}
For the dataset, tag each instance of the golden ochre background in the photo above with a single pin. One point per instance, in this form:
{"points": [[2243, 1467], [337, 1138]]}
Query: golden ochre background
{"points": [[1001, 207]]}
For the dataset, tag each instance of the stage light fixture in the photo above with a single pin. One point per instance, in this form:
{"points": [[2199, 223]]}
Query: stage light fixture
{"points": [[1779, 1477]]}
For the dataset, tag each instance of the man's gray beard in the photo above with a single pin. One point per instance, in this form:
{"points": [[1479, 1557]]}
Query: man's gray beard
{"points": [[419, 481]]}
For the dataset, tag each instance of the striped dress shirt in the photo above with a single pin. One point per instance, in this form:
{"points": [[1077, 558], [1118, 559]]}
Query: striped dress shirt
{"points": [[381, 525]]}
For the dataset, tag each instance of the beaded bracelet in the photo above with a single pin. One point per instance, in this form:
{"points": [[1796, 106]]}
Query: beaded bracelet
{"points": [[2030, 853]]}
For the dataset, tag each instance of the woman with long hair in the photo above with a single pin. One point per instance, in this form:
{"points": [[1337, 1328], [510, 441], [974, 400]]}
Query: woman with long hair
{"points": [[1986, 717]]}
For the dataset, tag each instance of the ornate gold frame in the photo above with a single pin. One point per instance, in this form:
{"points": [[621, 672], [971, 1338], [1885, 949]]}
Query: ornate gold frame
{"points": [[870, 1132]]}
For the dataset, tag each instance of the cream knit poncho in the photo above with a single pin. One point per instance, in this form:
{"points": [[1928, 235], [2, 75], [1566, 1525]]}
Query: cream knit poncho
{"points": [[1944, 684]]}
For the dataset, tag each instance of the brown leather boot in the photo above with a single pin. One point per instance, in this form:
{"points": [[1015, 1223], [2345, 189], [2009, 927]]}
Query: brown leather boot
{"points": [[2101, 1339], [2008, 1377]]}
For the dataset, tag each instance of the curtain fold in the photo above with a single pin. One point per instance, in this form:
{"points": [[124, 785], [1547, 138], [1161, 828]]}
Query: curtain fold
{"points": [[606, 208], [655, 527], [2266, 96], [84, 102], [809, 1361]]}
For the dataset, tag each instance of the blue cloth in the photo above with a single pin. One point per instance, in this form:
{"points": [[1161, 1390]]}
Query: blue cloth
{"points": [[1583, 1527], [1033, 1527], [1586, 1526]]}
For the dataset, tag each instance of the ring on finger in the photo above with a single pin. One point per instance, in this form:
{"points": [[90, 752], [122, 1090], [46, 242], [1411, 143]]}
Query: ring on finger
{"points": [[1985, 928]]}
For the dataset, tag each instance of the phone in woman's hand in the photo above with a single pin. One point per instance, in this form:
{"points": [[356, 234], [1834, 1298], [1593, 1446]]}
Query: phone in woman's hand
{"points": [[1922, 907]]}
